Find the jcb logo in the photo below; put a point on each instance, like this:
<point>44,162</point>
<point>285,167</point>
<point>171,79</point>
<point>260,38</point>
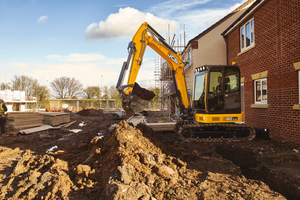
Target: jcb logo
<point>173,58</point>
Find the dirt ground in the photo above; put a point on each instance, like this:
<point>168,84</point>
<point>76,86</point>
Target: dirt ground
<point>90,161</point>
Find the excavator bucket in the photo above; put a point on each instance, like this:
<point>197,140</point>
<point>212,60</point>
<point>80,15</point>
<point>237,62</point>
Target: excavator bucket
<point>137,100</point>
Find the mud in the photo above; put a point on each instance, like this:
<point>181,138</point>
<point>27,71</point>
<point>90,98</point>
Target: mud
<point>142,93</point>
<point>136,163</point>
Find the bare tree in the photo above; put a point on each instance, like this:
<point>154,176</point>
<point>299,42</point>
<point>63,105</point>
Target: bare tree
<point>74,88</point>
<point>106,94</point>
<point>24,83</point>
<point>42,94</point>
<point>114,94</point>
<point>155,100</point>
<point>31,87</point>
<point>92,93</point>
<point>98,94</point>
<point>5,86</point>
<point>65,87</point>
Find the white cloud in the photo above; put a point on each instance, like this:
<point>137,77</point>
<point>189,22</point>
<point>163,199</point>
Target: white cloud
<point>55,57</point>
<point>197,15</point>
<point>235,6</point>
<point>125,23</point>
<point>76,57</point>
<point>88,73</point>
<point>19,65</point>
<point>200,20</point>
<point>172,7</point>
<point>42,19</point>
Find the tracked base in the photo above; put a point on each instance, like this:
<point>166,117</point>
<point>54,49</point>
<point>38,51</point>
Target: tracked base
<point>197,132</point>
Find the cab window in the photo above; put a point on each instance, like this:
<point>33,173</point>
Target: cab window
<point>199,92</point>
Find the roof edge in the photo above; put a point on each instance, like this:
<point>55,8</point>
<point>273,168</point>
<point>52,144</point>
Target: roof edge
<point>245,14</point>
<point>218,22</point>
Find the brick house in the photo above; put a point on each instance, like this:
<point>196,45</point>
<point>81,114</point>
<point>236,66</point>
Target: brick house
<point>208,47</point>
<point>265,43</point>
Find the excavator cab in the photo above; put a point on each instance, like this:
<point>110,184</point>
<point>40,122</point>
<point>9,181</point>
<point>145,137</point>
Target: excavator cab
<point>216,107</point>
<point>216,96</point>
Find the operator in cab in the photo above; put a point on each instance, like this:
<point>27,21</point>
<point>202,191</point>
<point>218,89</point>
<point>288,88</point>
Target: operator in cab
<point>219,88</point>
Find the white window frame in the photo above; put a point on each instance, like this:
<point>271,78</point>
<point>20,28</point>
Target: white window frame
<point>252,35</point>
<point>262,101</point>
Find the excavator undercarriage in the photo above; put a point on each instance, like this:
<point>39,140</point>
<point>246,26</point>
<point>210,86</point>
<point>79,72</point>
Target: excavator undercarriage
<point>199,132</point>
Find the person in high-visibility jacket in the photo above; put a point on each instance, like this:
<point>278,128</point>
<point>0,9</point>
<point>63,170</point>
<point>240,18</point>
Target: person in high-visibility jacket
<point>3,110</point>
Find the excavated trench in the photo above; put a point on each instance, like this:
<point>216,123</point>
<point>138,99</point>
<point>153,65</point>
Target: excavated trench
<point>262,164</point>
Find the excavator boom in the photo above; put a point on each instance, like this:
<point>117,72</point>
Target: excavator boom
<point>135,99</point>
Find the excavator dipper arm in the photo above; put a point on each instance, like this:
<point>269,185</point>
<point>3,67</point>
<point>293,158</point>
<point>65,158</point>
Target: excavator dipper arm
<point>146,36</point>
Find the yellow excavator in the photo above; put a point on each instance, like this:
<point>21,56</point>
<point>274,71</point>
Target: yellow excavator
<point>215,112</point>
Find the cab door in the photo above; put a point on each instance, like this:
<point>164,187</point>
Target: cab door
<point>232,97</point>
<point>223,94</point>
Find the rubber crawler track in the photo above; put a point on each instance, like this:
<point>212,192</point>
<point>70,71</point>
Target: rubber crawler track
<point>184,125</point>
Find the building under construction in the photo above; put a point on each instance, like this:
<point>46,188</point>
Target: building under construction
<point>163,79</point>
<point>17,100</point>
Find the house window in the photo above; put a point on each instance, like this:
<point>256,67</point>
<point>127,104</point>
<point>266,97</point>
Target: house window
<point>260,91</point>
<point>247,35</point>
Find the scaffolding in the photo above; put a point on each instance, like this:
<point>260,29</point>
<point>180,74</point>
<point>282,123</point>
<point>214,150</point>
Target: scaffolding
<point>156,72</point>
<point>163,77</point>
<point>167,97</point>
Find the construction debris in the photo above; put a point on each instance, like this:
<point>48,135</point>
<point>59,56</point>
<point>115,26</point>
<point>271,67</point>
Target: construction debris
<point>166,126</point>
<point>135,120</point>
<point>17,121</point>
<point>31,122</point>
<point>36,129</point>
<point>56,118</point>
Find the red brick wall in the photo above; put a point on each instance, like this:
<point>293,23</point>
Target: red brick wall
<point>277,47</point>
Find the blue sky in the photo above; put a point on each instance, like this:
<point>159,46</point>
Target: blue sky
<point>88,39</point>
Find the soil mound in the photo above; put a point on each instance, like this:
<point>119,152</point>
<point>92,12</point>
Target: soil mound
<point>92,113</point>
<point>138,169</point>
<point>36,176</point>
<point>126,163</point>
